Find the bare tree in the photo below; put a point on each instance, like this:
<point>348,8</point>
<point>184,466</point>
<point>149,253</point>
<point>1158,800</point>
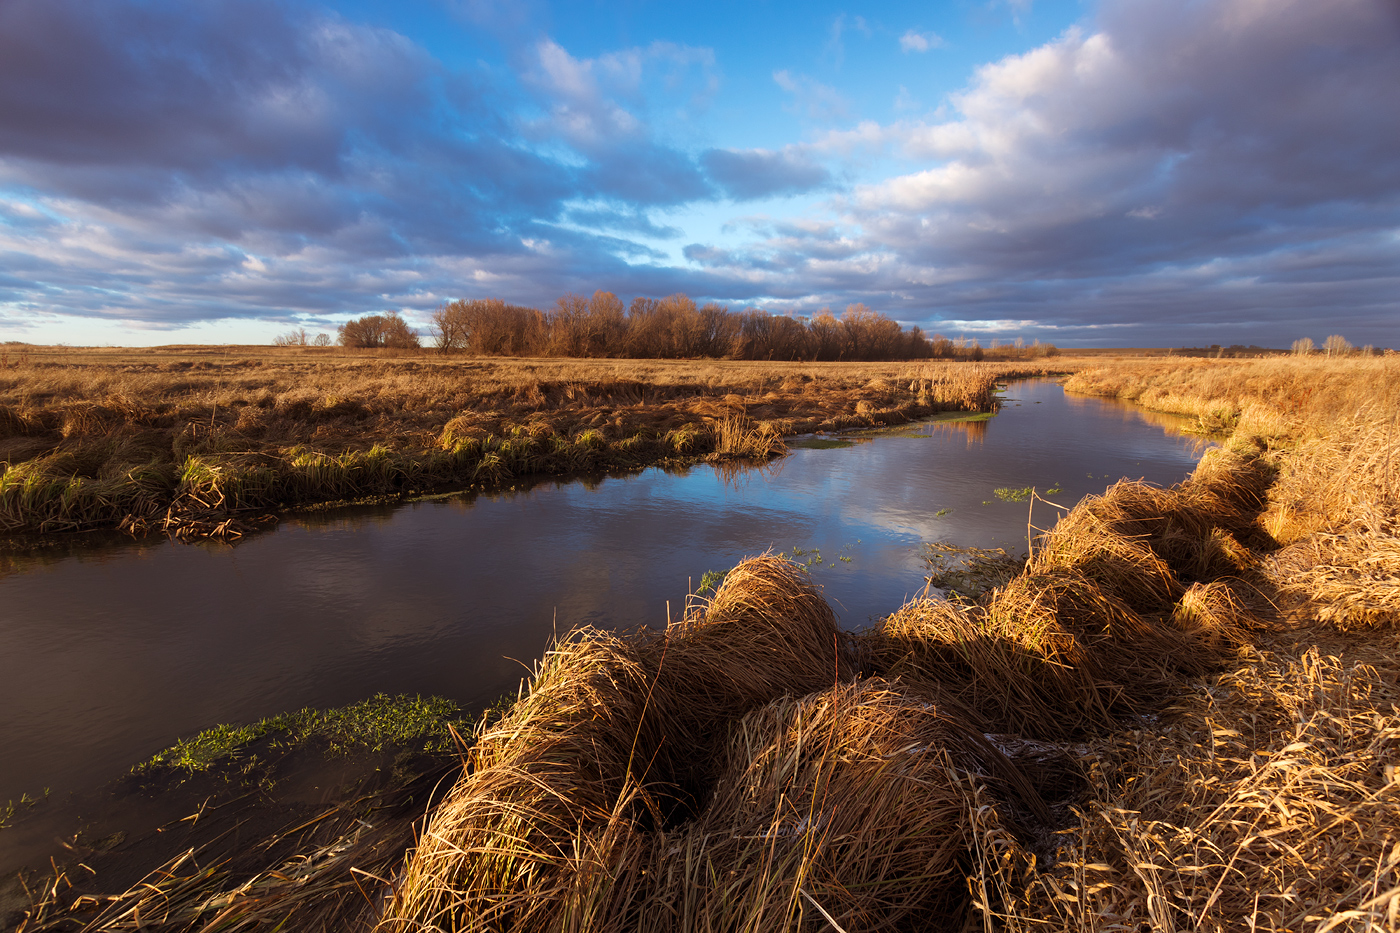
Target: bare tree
<point>1303,346</point>
<point>296,338</point>
<point>323,339</point>
<point>1337,345</point>
<point>450,326</point>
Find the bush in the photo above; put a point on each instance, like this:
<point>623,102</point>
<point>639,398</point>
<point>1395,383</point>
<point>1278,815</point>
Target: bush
<point>378,330</point>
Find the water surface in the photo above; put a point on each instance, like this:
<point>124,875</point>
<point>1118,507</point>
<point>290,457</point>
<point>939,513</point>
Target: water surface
<point>111,653</point>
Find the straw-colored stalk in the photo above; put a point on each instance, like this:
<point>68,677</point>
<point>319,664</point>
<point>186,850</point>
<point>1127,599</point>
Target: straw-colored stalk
<point>1268,801</point>
<point>617,736</point>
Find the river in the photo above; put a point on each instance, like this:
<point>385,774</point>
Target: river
<point>112,651</point>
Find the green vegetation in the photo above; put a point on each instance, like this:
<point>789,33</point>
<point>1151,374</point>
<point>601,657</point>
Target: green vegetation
<point>372,724</point>
<point>1009,494</point>
<point>710,581</point>
<point>13,808</point>
<point>820,443</point>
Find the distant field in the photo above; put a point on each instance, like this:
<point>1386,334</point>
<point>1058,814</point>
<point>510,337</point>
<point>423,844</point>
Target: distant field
<point>196,439</point>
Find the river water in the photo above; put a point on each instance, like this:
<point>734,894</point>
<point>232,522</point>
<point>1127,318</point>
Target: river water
<point>108,653</point>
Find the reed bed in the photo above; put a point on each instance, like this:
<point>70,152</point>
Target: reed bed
<point>1275,401</point>
<point>1269,800</point>
<point>722,776</point>
<point>616,739</point>
<point>1336,507</point>
<point>194,439</point>
<point>1129,593</point>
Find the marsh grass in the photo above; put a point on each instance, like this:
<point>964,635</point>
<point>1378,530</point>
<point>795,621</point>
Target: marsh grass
<point>1182,712</point>
<point>1267,801</point>
<point>193,442</point>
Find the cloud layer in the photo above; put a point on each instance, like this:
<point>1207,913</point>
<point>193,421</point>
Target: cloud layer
<point>1214,171</point>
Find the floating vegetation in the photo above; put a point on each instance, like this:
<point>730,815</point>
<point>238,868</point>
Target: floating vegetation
<point>15,807</point>
<point>371,724</point>
<point>969,572</point>
<point>820,443</point>
<point>1013,494</point>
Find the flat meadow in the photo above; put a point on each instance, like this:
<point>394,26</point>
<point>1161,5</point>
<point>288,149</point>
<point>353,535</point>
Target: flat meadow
<point>196,440</point>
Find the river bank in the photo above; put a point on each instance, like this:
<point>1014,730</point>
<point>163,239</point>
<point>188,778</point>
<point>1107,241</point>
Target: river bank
<point>205,441</point>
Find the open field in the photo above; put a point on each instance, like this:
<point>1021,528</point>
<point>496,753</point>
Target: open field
<point>199,440</point>
<point>1182,712</point>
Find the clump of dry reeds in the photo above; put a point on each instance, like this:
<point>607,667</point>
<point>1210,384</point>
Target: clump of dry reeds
<point>848,807</point>
<point>1336,506</point>
<point>1128,593</point>
<point>618,736</point>
<point>1268,801</point>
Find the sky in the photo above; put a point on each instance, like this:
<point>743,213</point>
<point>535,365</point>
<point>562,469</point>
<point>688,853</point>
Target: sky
<point>1080,172</point>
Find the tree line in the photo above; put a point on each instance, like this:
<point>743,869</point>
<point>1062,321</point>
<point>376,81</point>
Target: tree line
<point>662,328</point>
<point>670,328</point>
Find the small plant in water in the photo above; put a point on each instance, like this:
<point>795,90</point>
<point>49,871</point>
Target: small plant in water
<point>1008,494</point>
<point>941,512</point>
<point>26,802</point>
<point>710,581</point>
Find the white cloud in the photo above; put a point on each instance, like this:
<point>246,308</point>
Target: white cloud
<point>1170,164</point>
<point>915,41</point>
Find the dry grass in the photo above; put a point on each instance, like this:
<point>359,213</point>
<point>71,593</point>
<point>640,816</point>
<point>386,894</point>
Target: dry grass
<point>1269,799</point>
<point>616,741</point>
<point>321,875</point>
<point>197,439</point>
<point>1216,757</point>
<point>1335,505</point>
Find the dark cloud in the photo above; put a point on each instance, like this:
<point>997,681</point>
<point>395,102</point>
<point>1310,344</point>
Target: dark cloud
<point>757,173</point>
<point>1221,171</point>
<point>645,174</point>
<point>198,87</point>
<point>1218,166</point>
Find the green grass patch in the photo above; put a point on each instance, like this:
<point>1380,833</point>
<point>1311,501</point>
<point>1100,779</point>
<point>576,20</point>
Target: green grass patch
<point>710,581</point>
<point>371,724</point>
<point>1009,494</point>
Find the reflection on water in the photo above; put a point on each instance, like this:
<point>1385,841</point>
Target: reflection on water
<point>111,653</point>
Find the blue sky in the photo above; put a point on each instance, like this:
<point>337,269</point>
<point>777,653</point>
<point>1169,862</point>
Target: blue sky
<point>1085,172</point>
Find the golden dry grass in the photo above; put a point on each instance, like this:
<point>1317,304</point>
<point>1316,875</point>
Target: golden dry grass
<point>192,439</point>
<point>1192,697</point>
<point>1268,799</point>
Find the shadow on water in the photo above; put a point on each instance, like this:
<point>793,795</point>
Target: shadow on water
<point>112,652</point>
